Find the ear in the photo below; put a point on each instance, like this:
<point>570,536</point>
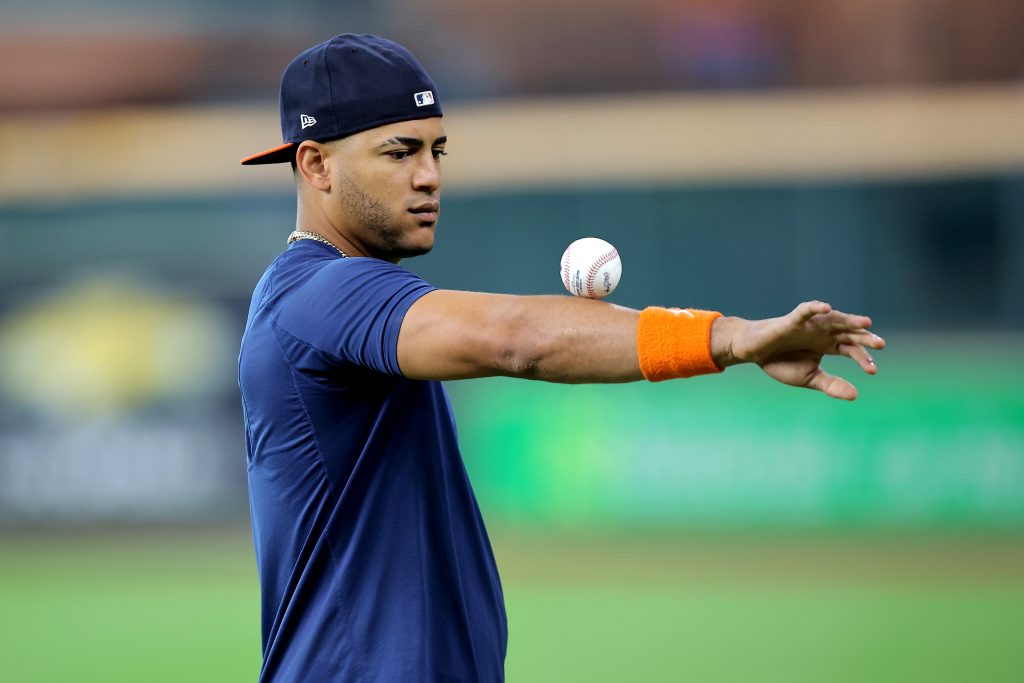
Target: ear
<point>310,160</point>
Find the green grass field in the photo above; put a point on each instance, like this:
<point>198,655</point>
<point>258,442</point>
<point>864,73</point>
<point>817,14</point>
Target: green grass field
<point>183,606</point>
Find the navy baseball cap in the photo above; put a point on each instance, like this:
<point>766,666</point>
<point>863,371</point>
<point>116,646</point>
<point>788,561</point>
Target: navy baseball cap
<point>345,85</point>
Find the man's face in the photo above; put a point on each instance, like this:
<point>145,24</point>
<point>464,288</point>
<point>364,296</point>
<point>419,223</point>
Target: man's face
<point>387,183</point>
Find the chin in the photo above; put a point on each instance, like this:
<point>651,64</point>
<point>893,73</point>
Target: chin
<point>421,250</point>
<point>396,244</point>
<point>412,250</point>
<point>422,242</point>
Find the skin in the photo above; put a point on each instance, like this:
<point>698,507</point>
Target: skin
<point>377,194</point>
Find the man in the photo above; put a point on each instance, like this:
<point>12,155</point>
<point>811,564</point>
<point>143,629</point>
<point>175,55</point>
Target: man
<point>373,559</point>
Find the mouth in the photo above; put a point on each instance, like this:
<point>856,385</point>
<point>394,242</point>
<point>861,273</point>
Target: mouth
<point>426,212</point>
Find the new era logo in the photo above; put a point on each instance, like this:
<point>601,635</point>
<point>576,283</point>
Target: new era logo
<point>424,98</point>
<point>307,121</point>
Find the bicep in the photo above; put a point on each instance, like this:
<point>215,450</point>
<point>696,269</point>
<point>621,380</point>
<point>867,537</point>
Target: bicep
<point>449,334</point>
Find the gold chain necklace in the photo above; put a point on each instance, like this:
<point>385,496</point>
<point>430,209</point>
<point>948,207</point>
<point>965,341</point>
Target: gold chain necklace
<point>307,235</point>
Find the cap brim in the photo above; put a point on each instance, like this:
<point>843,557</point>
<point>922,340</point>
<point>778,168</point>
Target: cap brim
<point>281,154</point>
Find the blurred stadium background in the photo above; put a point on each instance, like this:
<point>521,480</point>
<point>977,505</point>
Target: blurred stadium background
<point>742,154</point>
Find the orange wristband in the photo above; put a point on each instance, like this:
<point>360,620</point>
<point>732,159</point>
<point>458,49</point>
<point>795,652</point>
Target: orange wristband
<point>673,342</point>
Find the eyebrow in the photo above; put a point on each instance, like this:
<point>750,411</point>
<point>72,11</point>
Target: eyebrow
<point>411,142</point>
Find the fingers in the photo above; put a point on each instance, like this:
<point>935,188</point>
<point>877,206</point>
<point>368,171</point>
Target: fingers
<point>833,386</point>
<point>847,328</point>
<point>837,321</point>
<point>808,310</point>
<point>860,355</point>
<point>860,338</point>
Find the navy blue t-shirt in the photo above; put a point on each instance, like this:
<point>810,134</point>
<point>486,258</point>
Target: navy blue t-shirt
<point>373,560</point>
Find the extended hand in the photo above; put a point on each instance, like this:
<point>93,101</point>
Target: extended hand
<point>790,348</point>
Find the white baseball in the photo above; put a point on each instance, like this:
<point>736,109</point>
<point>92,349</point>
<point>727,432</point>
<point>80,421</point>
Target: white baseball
<point>591,268</point>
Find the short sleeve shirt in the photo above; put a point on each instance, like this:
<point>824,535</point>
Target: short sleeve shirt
<point>373,559</point>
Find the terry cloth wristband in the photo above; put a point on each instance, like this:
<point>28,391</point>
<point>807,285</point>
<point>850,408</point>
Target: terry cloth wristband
<point>673,342</point>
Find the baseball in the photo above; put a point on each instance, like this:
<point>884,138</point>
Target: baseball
<point>591,268</point>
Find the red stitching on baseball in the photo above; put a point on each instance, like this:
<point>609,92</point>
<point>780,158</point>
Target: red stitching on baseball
<point>565,268</point>
<point>596,266</point>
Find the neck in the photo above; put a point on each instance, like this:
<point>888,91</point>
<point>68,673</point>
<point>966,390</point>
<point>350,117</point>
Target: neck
<point>310,219</point>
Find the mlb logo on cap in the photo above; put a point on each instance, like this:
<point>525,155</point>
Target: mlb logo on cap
<point>424,98</point>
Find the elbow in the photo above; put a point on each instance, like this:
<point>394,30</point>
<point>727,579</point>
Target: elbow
<point>516,363</point>
<point>518,351</point>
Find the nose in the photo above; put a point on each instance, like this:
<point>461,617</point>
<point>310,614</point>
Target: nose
<point>427,177</point>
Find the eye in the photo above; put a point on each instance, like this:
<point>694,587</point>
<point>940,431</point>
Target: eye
<point>399,154</point>
<point>438,153</point>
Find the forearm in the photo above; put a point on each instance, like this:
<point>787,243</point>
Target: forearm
<point>581,340</point>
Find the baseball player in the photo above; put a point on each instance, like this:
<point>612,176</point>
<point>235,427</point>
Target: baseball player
<point>373,559</point>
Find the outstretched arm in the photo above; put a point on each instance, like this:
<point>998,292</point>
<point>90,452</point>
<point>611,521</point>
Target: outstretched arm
<point>455,335</point>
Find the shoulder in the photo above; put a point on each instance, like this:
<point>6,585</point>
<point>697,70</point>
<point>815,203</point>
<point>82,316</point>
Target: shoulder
<point>362,273</point>
<point>359,265</point>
